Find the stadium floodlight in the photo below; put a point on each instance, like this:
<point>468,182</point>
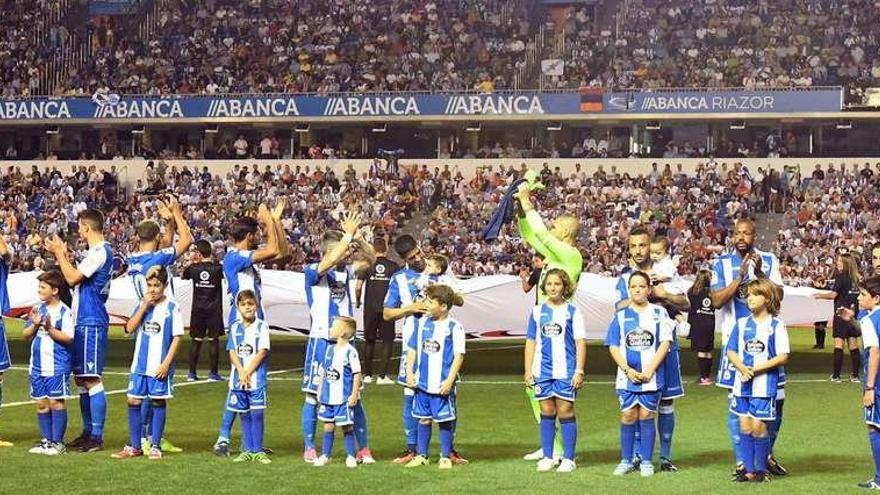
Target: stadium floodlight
<point>137,130</point>
<point>738,125</point>
<point>554,126</point>
<point>301,128</point>
<point>844,124</point>
<point>653,125</point>
<point>212,130</point>
<point>473,127</point>
<point>380,128</point>
<point>53,130</point>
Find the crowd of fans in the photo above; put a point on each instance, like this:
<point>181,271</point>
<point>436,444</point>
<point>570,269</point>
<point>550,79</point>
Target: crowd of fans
<point>214,46</point>
<point>824,212</point>
<point>217,46</point>
<point>722,43</point>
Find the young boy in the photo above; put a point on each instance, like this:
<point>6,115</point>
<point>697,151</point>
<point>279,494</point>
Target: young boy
<point>51,328</point>
<point>248,346</point>
<point>435,353</point>
<point>757,348</point>
<point>5,364</point>
<point>339,390</point>
<point>663,268</point>
<point>869,324</point>
<point>159,326</point>
<point>156,249</point>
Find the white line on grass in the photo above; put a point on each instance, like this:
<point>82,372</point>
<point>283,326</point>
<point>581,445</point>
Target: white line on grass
<point>122,391</point>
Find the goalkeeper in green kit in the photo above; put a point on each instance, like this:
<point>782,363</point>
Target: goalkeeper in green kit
<point>558,246</point>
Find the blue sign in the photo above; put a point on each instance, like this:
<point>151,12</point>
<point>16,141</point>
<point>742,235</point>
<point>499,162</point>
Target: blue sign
<point>706,101</point>
<point>108,108</point>
<point>114,7</point>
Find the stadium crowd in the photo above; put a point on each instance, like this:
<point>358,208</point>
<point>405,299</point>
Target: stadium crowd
<point>216,46</point>
<point>222,46</point>
<point>824,211</point>
<point>725,43</point>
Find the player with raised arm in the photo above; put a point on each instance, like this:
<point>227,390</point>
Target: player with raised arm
<point>163,251</point>
<point>91,282</point>
<point>241,274</point>
<point>558,246</point>
<point>329,293</point>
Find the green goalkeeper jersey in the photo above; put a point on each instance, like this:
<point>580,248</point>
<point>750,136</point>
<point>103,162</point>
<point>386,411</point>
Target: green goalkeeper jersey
<point>557,253</point>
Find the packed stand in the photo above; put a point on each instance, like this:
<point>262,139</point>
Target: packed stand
<point>31,208</point>
<point>831,210</point>
<point>723,43</point>
<point>224,46</point>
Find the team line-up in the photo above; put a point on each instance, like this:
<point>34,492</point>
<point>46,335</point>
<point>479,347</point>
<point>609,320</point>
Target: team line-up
<point>642,340</point>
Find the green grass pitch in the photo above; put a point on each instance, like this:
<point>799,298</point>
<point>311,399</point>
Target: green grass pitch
<point>823,441</point>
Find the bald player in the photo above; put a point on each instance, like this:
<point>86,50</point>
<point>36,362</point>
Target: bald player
<point>731,273</point>
<point>558,246</point>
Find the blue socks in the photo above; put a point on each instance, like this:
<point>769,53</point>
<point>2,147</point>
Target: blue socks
<point>98,404</point>
<point>147,418</point>
<point>258,419</point>
<point>735,437</point>
<point>775,425</point>
<point>410,424</point>
<point>85,410</point>
<point>548,434</point>
<point>360,425</point>
<point>226,425</point>
<point>747,449</point>
<point>423,439</point>
<point>637,439</point>
<point>762,451</point>
<point>309,422</point>
<point>348,437</point>
<point>649,432</point>
<point>45,422</point>
<point>134,426</point>
<point>569,437</point>
<point>157,428</point>
<point>666,426</point>
<point>445,438</point>
<point>874,437</point>
<point>59,425</point>
<point>246,432</point>
<point>627,441</point>
<point>327,445</point>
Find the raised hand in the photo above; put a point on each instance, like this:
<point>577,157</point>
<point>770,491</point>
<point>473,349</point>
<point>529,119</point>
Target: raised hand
<point>350,222</point>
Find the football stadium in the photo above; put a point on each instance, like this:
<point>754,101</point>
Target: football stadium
<point>444,245</point>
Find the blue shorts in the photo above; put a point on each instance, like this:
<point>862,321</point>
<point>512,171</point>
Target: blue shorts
<point>5,362</point>
<point>673,387</point>
<point>148,387</point>
<point>55,387</point>
<point>560,388</point>
<point>242,401</point>
<point>726,373</point>
<point>629,400</point>
<point>316,350</point>
<point>89,351</point>
<point>872,414</point>
<point>436,407</point>
<point>340,415</point>
<point>763,408</point>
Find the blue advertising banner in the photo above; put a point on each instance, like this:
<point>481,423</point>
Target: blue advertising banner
<point>110,107</point>
<point>114,7</point>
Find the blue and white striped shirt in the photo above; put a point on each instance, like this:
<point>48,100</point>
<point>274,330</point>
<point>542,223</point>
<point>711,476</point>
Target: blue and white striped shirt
<point>246,342</point>
<point>757,343</point>
<point>240,274</point>
<point>555,332</point>
<point>90,296</point>
<point>153,337</point>
<point>328,296</point>
<point>140,263</point>
<point>48,357</point>
<point>726,269</point>
<point>639,334</point>
<point>340,365</point>
<point>436,344</point>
